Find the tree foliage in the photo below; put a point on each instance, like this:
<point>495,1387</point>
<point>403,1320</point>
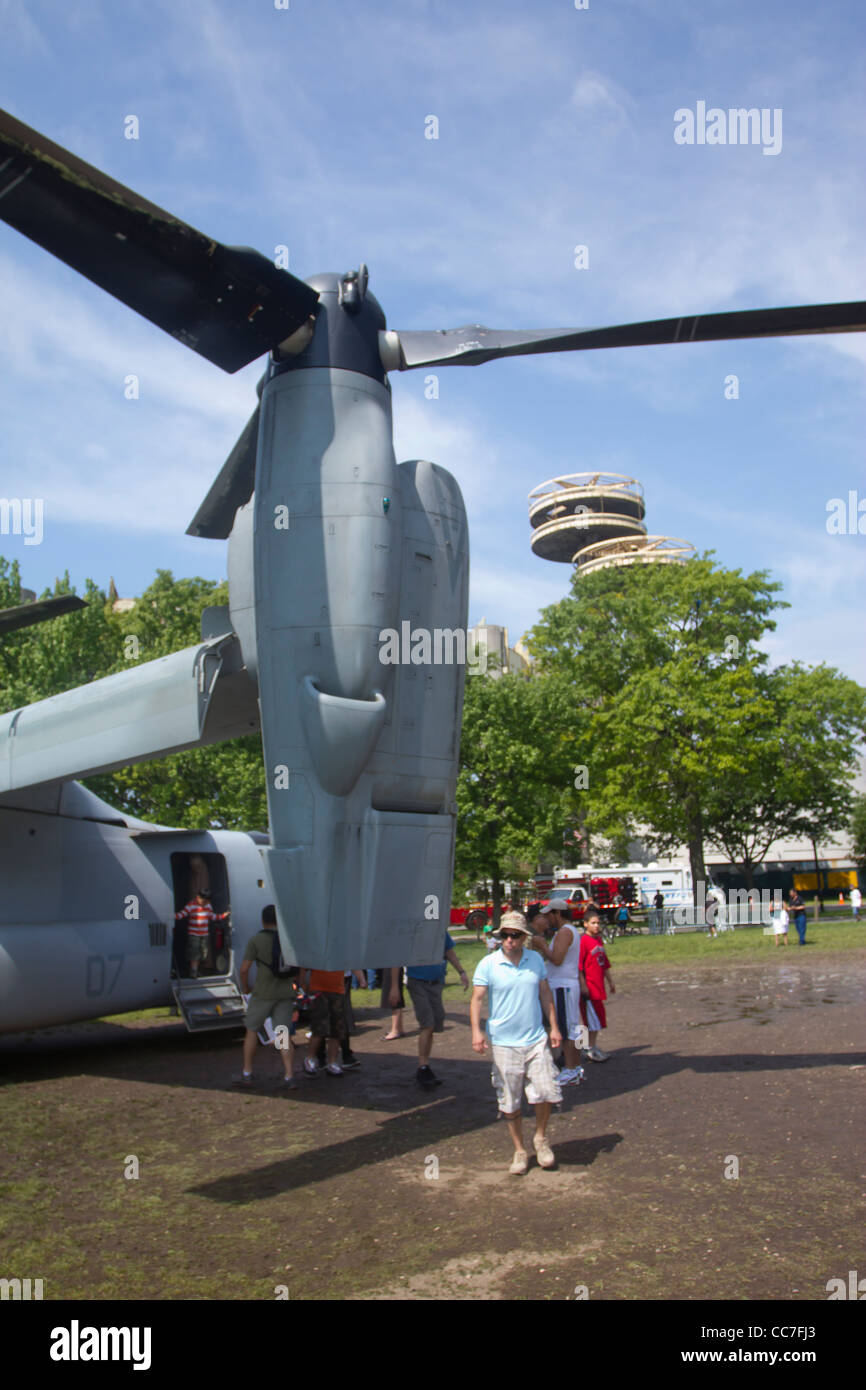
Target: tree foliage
<point>664,661</point>
<point>515,776</point>
<point>858,830</point>
<point>60,654</point>
<point>220,786</point>
<point>796,775</point>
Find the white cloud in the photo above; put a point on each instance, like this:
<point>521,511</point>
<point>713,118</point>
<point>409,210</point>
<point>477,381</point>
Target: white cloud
<point>594,92</point>
<point>460,442</point>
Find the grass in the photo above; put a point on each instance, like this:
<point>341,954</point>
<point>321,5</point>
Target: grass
<point>742,947</point>
<point>163,1011</point>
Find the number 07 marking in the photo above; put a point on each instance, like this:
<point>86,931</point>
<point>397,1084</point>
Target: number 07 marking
<point>96,972</point>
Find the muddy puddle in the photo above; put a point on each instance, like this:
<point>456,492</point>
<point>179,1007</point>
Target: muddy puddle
<point>759,994</point>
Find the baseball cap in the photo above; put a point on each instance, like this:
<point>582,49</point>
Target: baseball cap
<point>556,905</point>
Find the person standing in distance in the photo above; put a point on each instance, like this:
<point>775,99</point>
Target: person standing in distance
<point>659,909</point>
<point>797,910</point>
<point>514,981</point>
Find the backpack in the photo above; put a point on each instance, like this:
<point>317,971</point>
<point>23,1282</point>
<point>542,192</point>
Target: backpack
<point>280,967</point>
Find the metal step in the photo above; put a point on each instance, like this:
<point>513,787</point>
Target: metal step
<point>211,1002</point>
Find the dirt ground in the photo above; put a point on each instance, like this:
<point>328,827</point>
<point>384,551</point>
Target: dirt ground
<point>331,1191</point>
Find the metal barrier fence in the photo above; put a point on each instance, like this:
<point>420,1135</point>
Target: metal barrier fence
<point>686,917</point>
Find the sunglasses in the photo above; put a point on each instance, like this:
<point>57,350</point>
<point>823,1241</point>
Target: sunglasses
<point>511,935</point>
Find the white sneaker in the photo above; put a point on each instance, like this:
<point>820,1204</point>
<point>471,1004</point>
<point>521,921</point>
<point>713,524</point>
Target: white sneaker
<point>334,1069</point>
<point>543,1152</point>
<point>566,1075</point>
<point>597,1055</point>
<point>520,1162</point>
<point>310,1067</point>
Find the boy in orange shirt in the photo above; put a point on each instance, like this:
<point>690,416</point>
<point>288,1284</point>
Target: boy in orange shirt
<point>327,992</point>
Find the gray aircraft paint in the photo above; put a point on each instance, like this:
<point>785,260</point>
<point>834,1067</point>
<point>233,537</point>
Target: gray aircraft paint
<point>146,712</point>
<point>362,818</point>
<point>69,865</point>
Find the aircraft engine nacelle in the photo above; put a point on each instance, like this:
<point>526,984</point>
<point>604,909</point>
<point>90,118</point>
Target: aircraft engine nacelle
<point>354,623</point>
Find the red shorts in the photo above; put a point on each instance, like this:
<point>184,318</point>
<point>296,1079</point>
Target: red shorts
<point>593,1014</point>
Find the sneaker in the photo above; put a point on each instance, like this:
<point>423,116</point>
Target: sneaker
<point>243,1082</point>
<point>425,1078</point>
<point>352,1064</point>
<point>311,1067</point>
<point>596,1054</point>
<point>566,1075</point>
<point>288,1083</point>
<point>334,1069</point>
<point>543,1152</point>
<point>520,1162</point>
<point>573,1078</point>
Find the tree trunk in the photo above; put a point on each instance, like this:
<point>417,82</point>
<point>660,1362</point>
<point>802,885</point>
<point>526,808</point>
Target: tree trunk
<point>817,881</point>
<point>696,855</point>
<point>496,896</point>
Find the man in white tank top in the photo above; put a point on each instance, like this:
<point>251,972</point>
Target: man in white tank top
<point>562,955</point>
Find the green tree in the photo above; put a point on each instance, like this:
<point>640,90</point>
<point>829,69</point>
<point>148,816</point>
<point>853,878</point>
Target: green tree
<point>167,616</point>
<point>858,830</point>
<point>59,654</point>
<point>514,778</point>
<point>222,786</point>
<point>664,661</point>
<point>797,772</point>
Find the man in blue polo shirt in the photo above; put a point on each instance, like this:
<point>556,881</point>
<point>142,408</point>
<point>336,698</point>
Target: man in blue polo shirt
<point>425,983</point>
<point>515,979</point>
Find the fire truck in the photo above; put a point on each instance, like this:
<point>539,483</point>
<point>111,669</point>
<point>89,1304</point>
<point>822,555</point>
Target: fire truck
<point>476,915</point>
<point>606,888</point>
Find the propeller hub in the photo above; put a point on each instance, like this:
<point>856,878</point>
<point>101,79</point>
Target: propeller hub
<point>345,329</point>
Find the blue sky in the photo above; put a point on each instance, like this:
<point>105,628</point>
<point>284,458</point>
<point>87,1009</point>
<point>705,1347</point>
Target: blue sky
<point>305,127</point>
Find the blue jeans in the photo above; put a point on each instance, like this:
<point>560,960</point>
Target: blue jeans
<point>800,924</point>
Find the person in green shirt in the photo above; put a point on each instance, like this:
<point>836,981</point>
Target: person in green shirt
<point>273,997</point>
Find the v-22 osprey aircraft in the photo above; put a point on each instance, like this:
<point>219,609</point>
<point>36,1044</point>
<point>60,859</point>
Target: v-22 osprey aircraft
<point>331,543</point>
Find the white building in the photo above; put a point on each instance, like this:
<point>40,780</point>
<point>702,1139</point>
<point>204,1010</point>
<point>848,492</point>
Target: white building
<point>500,656</point>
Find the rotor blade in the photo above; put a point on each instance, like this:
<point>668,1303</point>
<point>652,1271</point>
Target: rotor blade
<point>228,303</point>
<point>26,614</point>
<point>474,344</point>
<point>231,488</point>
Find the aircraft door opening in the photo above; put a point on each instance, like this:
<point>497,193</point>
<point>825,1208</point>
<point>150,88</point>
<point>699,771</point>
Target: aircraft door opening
<point>203,982</point>
<point>201,941</point>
